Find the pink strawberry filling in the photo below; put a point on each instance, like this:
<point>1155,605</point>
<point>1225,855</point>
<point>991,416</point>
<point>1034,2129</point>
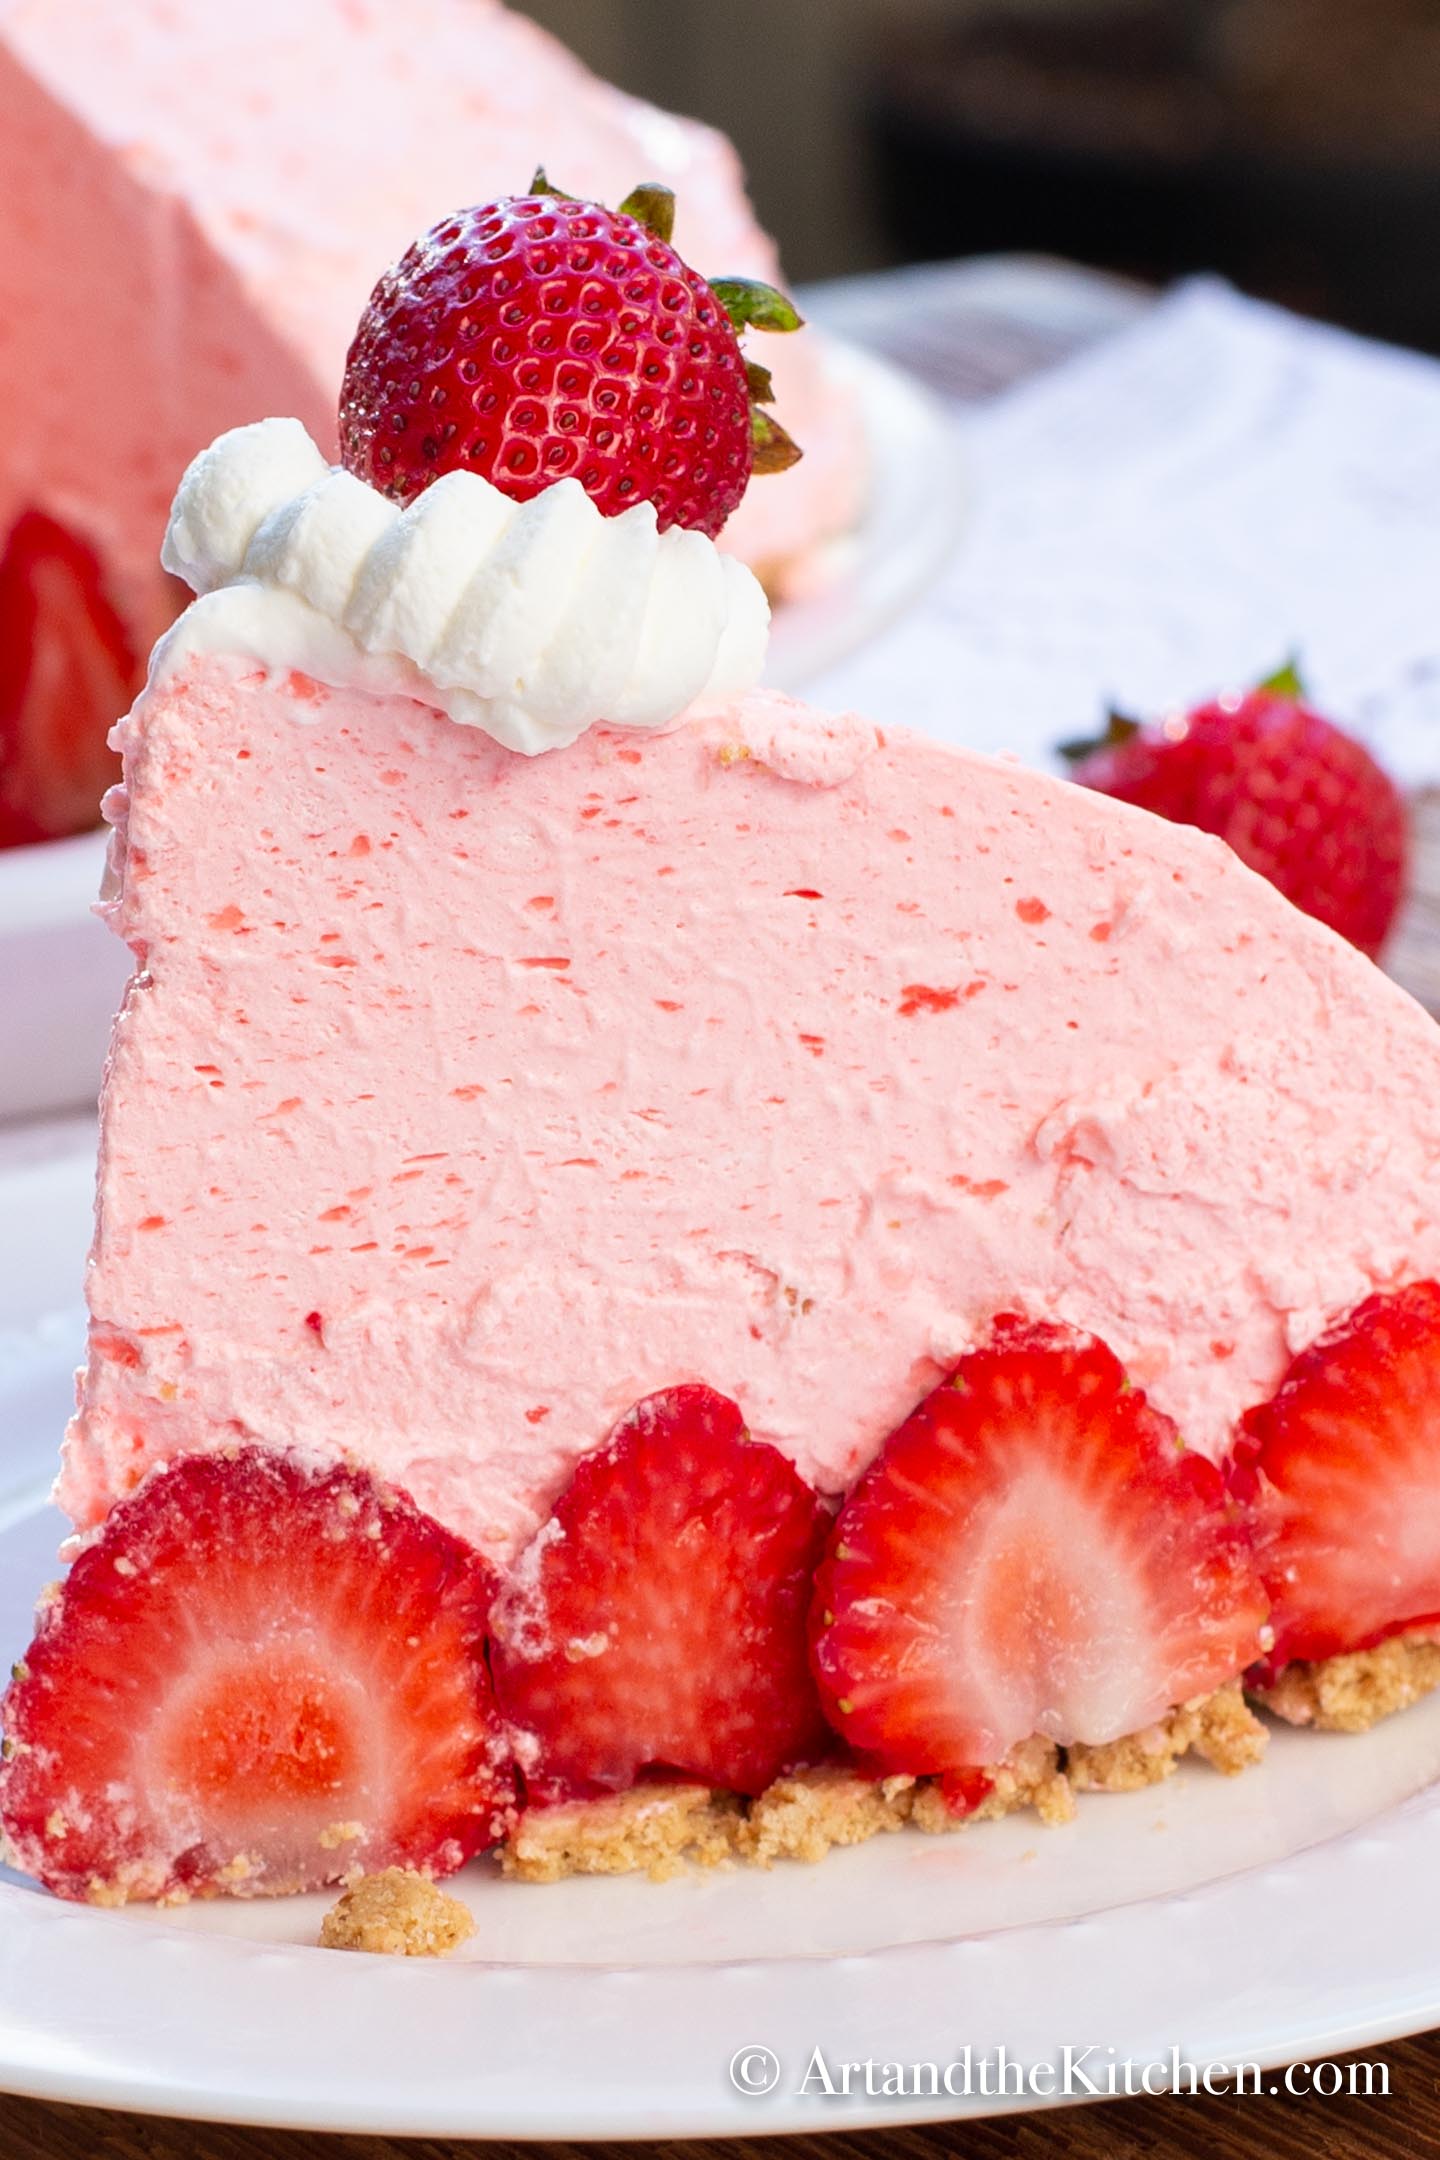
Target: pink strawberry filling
<point>545,1084</point>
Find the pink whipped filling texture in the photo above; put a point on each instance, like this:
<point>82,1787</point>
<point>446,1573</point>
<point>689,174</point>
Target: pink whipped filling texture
<point>463,1098</point>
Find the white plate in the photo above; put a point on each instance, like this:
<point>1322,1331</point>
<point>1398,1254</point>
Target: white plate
<point>61,972</point>
<point>61,975</point>
<point>915,509</point>
<point>1292,1914</point>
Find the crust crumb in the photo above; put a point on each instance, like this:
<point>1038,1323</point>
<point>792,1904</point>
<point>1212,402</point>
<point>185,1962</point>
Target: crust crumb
<point>1352,1692</point>
<point>110,1895</point>
<point>1219,1728</point>
<point>340,1833</point>
<point>802,1816</point>
<point>397,1914</point>
<point>651,1830</point>
<point>132,1883</point>
<point>1029,1777</point>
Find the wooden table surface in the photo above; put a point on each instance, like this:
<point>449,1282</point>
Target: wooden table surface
<point>978,328</point>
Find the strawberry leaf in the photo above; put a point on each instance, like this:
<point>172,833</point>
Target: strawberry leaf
<point>540,185</point>
<point>1286,681</point>
<point>774,450</point>
<point>1118,729</point>
<point>653,207</point>
<point>753,306</point>
<point>762,386</point>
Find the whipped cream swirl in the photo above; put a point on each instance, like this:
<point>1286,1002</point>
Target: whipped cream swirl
<point>533,621</point>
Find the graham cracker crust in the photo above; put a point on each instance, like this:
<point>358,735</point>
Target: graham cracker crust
<point>651,1830</point>
<point>1352,1692</point>
<point>1220,1728</point>
<point>659,1829</point>
<point>802,1816</point>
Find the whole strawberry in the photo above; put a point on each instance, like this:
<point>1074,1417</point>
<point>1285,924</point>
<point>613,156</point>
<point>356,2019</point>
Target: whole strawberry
<point>540,338</point>
<point>1298,800</point>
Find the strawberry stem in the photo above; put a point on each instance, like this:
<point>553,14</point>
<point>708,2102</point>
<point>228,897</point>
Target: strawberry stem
<point>753,306</point>
<point>652,206</point>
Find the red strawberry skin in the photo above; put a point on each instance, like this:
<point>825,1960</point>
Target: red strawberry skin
<point>658,1620</point>
<point>67,674</point>
<point>262,1675</point>
<point>1340,1472</point>
<point>536,339</point>
<point>1031,1552</point>
<point>1298,800</point>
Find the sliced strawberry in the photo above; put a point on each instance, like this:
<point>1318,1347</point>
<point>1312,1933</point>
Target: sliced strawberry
<point>1341,1473</point>
<point>1032,1552</point>
<point>67,674</point>
<point>963,1791</point>
<point>658,1619</point>
<point>263,1675</point>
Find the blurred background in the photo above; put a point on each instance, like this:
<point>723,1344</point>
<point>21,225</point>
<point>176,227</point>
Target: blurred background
<point>1293,145</point>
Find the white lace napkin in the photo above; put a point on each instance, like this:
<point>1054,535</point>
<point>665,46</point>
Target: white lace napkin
<point>1173,513</point>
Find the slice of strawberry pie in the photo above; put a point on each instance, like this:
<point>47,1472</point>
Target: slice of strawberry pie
<point>763,1232</point>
